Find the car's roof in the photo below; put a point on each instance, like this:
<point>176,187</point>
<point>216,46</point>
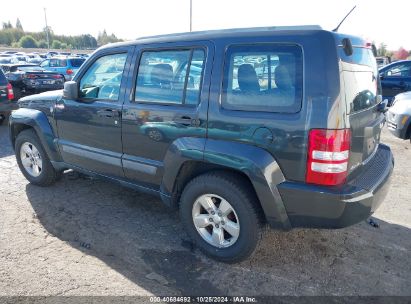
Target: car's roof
<point>214,34</point>
<point>394,63</point>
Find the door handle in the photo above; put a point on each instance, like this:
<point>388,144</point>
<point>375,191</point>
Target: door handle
<point>188,121</point>
<point>109,113</point>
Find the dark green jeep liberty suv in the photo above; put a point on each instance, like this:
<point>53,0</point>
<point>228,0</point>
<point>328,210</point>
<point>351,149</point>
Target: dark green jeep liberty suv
<point>235,128</point>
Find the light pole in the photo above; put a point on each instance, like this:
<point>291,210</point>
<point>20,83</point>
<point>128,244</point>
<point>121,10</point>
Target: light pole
<point>191,15</point>
<point>47,30</point>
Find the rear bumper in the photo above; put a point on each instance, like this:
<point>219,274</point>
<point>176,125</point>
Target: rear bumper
<point>337,207</point>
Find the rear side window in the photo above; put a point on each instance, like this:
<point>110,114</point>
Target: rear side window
<point>76,63</point>
<point>170,77</point>
<point>62,63</point>
<point>265,77</point>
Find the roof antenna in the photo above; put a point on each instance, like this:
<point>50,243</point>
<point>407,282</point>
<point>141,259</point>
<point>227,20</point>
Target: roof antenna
<point>336,29</point>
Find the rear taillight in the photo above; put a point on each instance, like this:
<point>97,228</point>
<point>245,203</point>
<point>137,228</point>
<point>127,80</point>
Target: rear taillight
<point>10,93</point>
<point>69,72</point>
<point>57,76</point>
<point>30,76</point>
<point>328,154</point>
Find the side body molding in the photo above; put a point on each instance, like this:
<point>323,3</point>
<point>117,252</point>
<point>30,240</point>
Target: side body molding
<point>40,123</point>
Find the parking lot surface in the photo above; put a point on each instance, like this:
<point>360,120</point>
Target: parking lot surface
<point>88,237</point>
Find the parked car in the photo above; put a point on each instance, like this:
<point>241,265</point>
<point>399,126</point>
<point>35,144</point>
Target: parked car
<point>383,61</point>
<point>252,146</point>
<point>36,60</point>
<point>395,79</point>
<point>6,97</point>
<point>8,60</point>
<point>29,79</point>
<point>51,54</point>
<point>66,66</point>
<point>399,116</point>
<point>22,58</point>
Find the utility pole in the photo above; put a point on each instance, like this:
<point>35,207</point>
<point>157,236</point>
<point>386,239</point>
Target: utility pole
<point>47,30</point>
<point>191,15</point>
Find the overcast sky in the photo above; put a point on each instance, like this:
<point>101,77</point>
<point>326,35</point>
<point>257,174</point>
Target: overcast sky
<point>380,21</point>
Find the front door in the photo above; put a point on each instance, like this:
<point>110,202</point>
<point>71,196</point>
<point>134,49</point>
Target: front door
<point>89,128</point>
<point>167,106</point>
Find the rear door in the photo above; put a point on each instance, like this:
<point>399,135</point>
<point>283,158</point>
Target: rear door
<point>361,87</point>
<point>168,103</point>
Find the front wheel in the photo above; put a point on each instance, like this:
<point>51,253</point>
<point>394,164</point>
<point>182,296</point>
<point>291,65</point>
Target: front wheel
<point>222,216</point>
<point>33,160</point>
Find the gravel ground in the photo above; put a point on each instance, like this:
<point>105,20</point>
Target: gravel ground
<point>88,237</point>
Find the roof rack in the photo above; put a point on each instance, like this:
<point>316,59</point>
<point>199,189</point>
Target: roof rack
<point>240,30</point>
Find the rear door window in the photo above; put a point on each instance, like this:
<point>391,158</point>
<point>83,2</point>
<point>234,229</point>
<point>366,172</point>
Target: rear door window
<point>263,77</point>
<point>170,77</point>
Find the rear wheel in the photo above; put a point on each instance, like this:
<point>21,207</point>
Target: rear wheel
<point>221,214</point>
<point>33,160</point>
<point>2,118</point>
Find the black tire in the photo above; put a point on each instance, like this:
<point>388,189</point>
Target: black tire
<point>2,118</point>
<point>241,197</point>
<point>48,174</point>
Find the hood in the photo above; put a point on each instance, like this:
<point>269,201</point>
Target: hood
<point>405,95</point>
<point>42,100</point>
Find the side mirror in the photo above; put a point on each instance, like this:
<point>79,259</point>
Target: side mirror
<point>70,90</point>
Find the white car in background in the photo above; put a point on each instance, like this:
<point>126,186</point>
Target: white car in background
<point>399,116</point>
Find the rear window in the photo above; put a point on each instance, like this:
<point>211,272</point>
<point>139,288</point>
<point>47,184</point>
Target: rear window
<point>265,78</point>
<point>3,79</point>
<point>76,63</point>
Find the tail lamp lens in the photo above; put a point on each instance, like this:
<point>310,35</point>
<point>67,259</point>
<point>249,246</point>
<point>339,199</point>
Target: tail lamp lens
<point>10,93</point>
<point>328,155</point>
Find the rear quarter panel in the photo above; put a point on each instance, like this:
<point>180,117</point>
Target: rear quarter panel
<point>320,105</point>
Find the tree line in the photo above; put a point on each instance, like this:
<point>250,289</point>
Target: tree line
<point>15,36</point>
<point>399,54</point>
